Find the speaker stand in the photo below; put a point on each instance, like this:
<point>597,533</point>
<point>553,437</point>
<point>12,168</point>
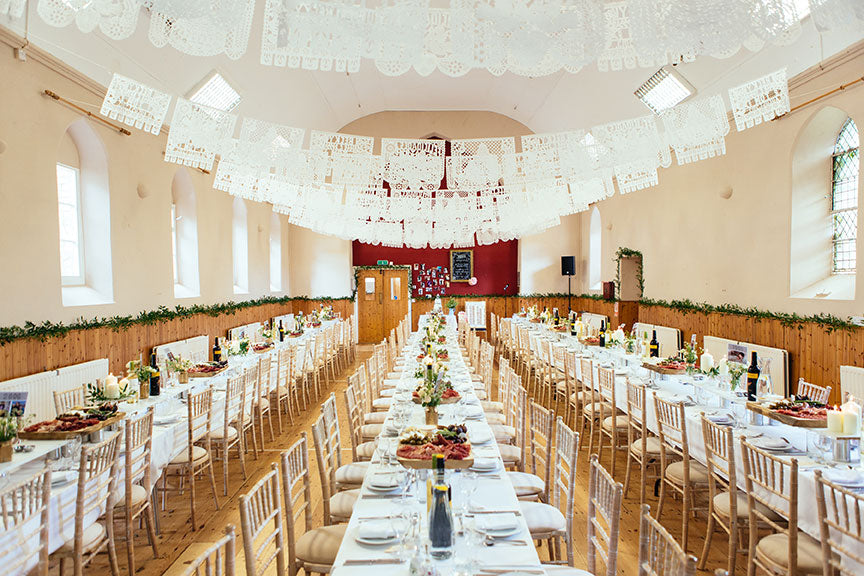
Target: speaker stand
<point>569,308</point>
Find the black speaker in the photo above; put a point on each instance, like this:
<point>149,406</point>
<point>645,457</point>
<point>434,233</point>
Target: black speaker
<point>568,265</point>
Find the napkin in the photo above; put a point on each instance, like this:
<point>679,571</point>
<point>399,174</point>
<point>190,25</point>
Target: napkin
<point>376,530</point>
<point>479,435</point>
<point>495,522</point>
<point>485,464</point>
<point>719,417</point>
<point>844,477</point>
<point>474,412</point>
<point>385,480</point>
<point>771,443</point>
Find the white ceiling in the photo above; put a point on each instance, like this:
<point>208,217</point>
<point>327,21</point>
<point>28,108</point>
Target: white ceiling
<point>330,100</point>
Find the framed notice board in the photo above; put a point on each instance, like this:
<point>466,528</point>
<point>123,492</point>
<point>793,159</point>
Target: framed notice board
<point>461,265</point>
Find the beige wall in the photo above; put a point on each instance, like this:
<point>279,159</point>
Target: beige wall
<point>33,128</point>
<point>700,246</point>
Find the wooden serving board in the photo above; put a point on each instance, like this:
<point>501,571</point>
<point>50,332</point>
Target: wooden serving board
<point>445,401</point>
<point>263,350</point>
<point>427,464</point>
<point>787,419</point>
<point>207,374</point>
<point>661,370</point>
<point>72,434</point>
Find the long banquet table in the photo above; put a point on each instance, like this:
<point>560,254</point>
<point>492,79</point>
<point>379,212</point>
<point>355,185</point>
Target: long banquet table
<point>492,492</point>
<point>170,438</point>
<point>705,395</point>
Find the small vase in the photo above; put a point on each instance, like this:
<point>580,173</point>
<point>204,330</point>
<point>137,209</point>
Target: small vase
<point>6,450</point>
<point>144,389</point>
<point>431,416</point>
<point>183,377</point>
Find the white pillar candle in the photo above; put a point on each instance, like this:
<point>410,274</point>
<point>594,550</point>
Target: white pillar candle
<point>851,423</point>
<point>724,368</point>
<point>835,421</point>
<point>706,361</point>
<point>112,388</point>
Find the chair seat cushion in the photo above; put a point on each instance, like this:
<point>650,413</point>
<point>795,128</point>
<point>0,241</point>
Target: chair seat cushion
<point>219,433</point>
<point>320,546</point>
<point>92,536</point>
<point>491,406</point>
<point>375,417</point>
<point>366,450</point>
<point>264,404</point>
<point>652,446</point>
<point>394,375</point>
<point>198,453</point>
<point>370,431</point>
<point>139,496</point>
<point>387,392</point>
<point>698,472</point>
<point>583,396</point>
<point>503,433</point>
<point>512,455</point>
<point>776,549</point>
<point>619,422</point>
<point>496,418</point>
<point>481,394</point>
<point>526,484</point>
<point>542,518</point>
<point>591,409</point>
<point>342,503</point>
<point>281,391</point>
<point>351,474</point>
<point>742,510</point>
<point>565,571</point>
<point>382,404</point>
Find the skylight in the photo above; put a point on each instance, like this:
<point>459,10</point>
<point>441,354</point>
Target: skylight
<point>664,90</point>
<point>217,93</point>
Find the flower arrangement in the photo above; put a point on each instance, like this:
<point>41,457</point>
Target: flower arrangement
<point>451,303</point>
<point>139,370</point>
<point>9,425</point>
<point>96,395</point>
<point>267,333</point>
<point>736,370</point>
<point>238,347</point>
<point>179,364</point>
<point>326,312</point>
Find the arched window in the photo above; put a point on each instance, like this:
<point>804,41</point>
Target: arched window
<point>184,236</point>
<point>844,199</point>
<point>275,253</point>
<point>240,247</point>
<point>84,218</point>
<point>594,251</point>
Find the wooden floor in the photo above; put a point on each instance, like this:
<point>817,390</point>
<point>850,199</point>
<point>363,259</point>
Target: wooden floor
<point>178,543</point>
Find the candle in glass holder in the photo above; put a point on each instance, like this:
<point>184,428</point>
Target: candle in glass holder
<point>835,421</point>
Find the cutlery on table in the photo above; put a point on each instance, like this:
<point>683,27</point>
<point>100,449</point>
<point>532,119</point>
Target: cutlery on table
<point>492,541</point>
<point>371,561</point>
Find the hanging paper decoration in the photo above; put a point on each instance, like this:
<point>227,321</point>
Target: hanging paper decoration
<point>344,159</point>
<point>14,9</point>
<point>116,19</point>
<point>223,27</point>
<point>637,150</point>
<point>197,134</point>
<point>135,104</point>
<point>760,100</point>
<point>696,130</point>
<point>477,163</point>
<point>838,15</point>
<point>413,164</point>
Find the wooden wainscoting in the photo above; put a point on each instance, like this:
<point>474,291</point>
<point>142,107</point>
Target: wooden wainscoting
<point>29,356</point>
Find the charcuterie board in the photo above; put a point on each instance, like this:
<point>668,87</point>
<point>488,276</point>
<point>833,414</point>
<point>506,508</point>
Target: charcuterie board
<point>55,435</point>
<point>662,370</point>
<point>786,418</point>
<point>427,464</point>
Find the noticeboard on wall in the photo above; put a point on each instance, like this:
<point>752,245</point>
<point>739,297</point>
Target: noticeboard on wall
<point>461,265</point>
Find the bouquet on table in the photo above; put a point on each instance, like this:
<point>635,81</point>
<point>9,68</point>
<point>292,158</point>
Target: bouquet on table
<point>239,347</point>
<point>326,313</point>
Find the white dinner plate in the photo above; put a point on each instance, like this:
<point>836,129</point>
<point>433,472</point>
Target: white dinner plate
<point>375,541</point>
<point>848,478</point>
<point>773,443</point>
<point>166,420</point>
<point>480,435</point>
<point>502,533</point>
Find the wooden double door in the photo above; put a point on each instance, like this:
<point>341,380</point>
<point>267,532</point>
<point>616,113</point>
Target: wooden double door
<point>382,302</point>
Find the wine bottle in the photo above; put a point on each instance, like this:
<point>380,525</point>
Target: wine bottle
<point>154,378</point>
<point>281,332</point>
<point>217,350</point>
<point>753,378</point>
<point>602,333</point>
<point>654,346</point>
<point>440,524</point>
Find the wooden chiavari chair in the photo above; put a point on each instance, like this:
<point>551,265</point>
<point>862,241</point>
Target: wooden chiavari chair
<point>643,448</point>
<point>546,521</point>
<point>97,479</point>
<point>312,549</point>
<point>248,425</point>
<point>604,517</point>
<point>320,362</point>
<point>592,404</point>
<point>261,524</point>
<point>772,501</point>
<point>841,525</point>
<point>533,485</point>
<point>136,502</point>
<point>344,476</point>
<point>564,386</point>
<point>228,435</point>
<point>508,433</point>
<point>66,400</point>
<point>362,450</point>
<point>24,526</point>
<point>261,402</point>
<point>814,392</point>
<point>286,388</point>
<point>679,472</point>
<point>659,553</point>
<point>308,375</point>
<point>218,559</point>
<point>613,424</point>
<point>337,508</point>
<point>196,458</point>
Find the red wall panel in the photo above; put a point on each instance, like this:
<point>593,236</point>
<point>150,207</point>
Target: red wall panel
<point>495,265</point>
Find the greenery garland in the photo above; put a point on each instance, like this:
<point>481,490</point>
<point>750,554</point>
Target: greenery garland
<point>629,253</point>
<point>827,321</point>
<point>49,329</point>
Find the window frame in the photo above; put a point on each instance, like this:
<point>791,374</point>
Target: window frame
<point>275,226</point>
<point>834,213</point>
<point>80,279</point>
<point>175,256</point>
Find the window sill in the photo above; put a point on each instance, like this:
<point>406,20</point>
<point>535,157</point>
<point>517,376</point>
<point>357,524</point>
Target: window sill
<point>84,296</point>
<point>838,287</point>
<point>181,291</point>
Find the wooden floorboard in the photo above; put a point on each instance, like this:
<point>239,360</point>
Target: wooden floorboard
<point>178,544</point>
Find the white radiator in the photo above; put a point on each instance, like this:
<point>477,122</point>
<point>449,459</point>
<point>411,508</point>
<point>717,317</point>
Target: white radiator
<point>852,382</point>
<point>251,331</point>
<point>41,387</point>
<point>594,320</point>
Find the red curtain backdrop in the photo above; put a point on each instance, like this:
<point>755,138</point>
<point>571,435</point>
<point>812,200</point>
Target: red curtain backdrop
<point>495,265</point>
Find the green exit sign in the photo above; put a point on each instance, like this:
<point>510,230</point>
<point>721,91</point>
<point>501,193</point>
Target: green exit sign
<point>383,262</point>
